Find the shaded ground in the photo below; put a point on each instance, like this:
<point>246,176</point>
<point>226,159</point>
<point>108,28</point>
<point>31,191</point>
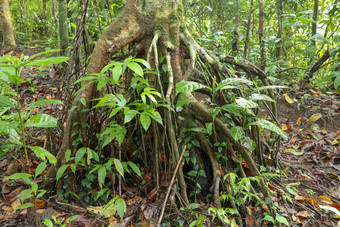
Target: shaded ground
<point>310,159</point>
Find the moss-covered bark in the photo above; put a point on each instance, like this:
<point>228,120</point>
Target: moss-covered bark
<point>8,41</point>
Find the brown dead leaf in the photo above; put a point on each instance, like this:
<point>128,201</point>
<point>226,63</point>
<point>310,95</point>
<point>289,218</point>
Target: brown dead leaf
<point>315,117</point>
<point>12,167</point>
<point>303,214</point>
<point>6,208</point>
<point>38,203</point>
<point>288,99</point>
<point>312,201</point>
<point>250,221</point>
<point>13,194</point>
<point>148,214</point>
<point>298,121</point>
<point>294,217</point>
<point>15,204</point>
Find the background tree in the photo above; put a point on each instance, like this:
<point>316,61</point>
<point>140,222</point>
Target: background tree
<point>8,41</point>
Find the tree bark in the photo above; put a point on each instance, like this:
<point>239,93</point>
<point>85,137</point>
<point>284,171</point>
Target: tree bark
<point>235,45</point>
<point>8,41</point>
<point>63,28</point>
<point>315,19</point>
<point>261,34</point>
<point>278,48</point>
<point>248,29</point>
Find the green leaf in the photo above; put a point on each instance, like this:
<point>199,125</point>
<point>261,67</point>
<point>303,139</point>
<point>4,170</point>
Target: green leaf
<point>24,206</point>
<point>17,176</point>
<point>45,102</point>
<point>6,102</point>
<point>237,132</point>
<point>135,168</point>
<point>121,207</point>
<point>85,78</point>
<point>45,61</point>
<point>40,168</point>
<point>184,102</point>
<point>119,166</point>
<point>232,108</point>
<point>145,63</point>
<point>337,82</point>
<point>48,223</point>
<point>67,155</point>
<point>15,79</point>
<point>42,121</point>
<point>331,210</point>
<point>145,120</point>
<point>155,115</point>
<point>80,154</point>
<point>61,171</point>
<point>225,84</point>
<point>102,174</point>
<point>136,68</point>
<point>188,86</point>
<point>257,97</point>
<point>129,115</point>
<point>246,104</point>
<point>42,153</point>
<point>270,126</point>
<point>269,87</point>
<point>194,205</point>
<point>336,39</point>
<point>117,71</point>
<point>269,218</point>
<point>115,111</point>
<point>192,173</point>
<point>282,220</point>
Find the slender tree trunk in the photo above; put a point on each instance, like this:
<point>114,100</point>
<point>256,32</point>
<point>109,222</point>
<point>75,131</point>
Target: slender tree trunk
<point>235,45</point>
<point>63,29</point>
<point>279,6</point>
<point>248,29</point>
<point>315,19</point>
<point>8,41</point>
<point>261,34</point>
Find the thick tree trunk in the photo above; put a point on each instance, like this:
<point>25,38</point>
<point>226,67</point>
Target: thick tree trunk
<point>235,45</point>
<point>315,19</point>
<point>279,6</point>
<point>248,29</point>
<point>8,41</point>
<point>63,28</point>
<point>261,34</point>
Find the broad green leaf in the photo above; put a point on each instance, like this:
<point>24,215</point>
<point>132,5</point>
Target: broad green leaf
<point>15,79</point>
<point>117,71</point>
<point>337,82</point>
<point>80,154</point>
<point>102,174</point>
<point>18,176</point>
<point>129,115</point>
<point>269,218</point>
<point>145,63</point>
<point>43,153</point>
<point>48,223</point>
<point>121,207</point>
<point>226,84</point>
<point>67,155</point>
<point>246,104</point>
<point>232,108</point>
<point>40,168</point>
<point>188,86</point>
<point>61,171</point>
<point>155,115</point>
<point>115,111</point>
<point>47,51</point>
<point>184,102</point>
<point>257,97</point>
<point>119,166</point>
<point>24,206</point>
<point>135,168</point>
<point>270,126</point>
<point>45,61</point>
<point>145,120</point>
<point>136,68</point>
<point>85,78</point>
<point>237,132</point>
<point>6,102</point>
<point>282,220</point>
<point>269,87</point>
<point>45,102</point>
<point>42,121</point>
<point>331,210</point>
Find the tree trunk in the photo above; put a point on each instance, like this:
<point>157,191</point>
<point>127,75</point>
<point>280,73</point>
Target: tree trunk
<point>235,45</point>
<point>315,19</point>
<point>261,34</point>
<point>8,41</point>
<point>278,48</point>
<point>154,28</point>
<point>63,28</point>
<point>248,29</point>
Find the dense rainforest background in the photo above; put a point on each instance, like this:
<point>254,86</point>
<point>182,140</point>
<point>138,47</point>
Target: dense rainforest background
<point>170,113</point>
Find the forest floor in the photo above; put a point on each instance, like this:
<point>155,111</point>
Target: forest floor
<point>310,159</point>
